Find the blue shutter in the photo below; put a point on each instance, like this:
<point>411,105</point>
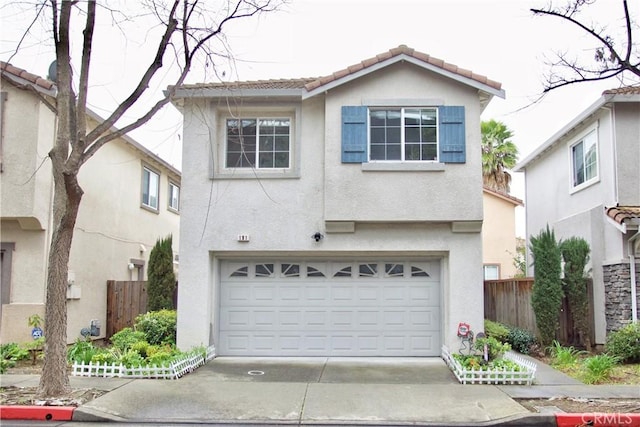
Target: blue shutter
<point>354,134</point>
<point>452,134</point>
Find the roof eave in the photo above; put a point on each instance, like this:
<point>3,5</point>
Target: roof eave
<point>551,142</point>
<point>236,93</point>
<point>403,57</point>
<point>24,82</point>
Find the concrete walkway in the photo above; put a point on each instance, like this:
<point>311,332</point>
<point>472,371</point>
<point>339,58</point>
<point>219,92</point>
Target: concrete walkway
<point>321,391</point>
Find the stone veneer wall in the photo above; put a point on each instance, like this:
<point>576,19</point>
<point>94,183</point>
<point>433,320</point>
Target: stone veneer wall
<point>618,294</point>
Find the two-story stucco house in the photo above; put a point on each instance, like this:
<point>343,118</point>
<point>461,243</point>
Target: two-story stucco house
<point>585,182</point>
<point>131,199</point>
<point>334,216</point>
<point>499,234</point>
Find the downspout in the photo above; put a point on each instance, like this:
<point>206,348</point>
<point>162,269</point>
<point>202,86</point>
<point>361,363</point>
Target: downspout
<point>632,271</point>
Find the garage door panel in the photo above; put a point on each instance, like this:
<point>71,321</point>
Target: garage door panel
<point>379,311</point>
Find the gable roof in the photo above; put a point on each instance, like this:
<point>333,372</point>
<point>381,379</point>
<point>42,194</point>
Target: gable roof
<point>504,196</point>
<point>623,94</point>
<point>309,87</point>
<point>620,214</point>
<point>25,80</point>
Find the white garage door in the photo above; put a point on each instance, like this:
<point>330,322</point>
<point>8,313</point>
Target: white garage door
<point>294,308</point>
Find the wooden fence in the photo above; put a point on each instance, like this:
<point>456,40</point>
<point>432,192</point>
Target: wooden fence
<point>508,301</point>
<point>125,301</point>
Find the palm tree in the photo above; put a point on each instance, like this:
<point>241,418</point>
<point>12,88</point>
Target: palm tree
<point>498,155</point>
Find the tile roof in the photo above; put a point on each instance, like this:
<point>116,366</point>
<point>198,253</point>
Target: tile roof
<point>313,83</point>
<point>627,90</point>
<point>23,74</point>
<point>404,50</point>
<point>502,195</point>
<point>621,213</point>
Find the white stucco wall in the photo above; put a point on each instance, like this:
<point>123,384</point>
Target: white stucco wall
<point>280,214</point>
<point>551,200</point>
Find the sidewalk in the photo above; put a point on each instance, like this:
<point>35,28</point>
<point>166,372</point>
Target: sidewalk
<point>321,391</point>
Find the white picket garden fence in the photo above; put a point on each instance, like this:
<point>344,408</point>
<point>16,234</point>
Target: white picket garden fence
<point>495,376</point>
<point>174,370</point>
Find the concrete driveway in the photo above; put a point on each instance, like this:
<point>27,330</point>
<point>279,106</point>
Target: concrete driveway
<point>329,370</point>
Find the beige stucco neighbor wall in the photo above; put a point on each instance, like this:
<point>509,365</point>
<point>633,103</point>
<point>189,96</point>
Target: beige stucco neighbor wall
<point>499,233</point>
<point>395,213</point>
<point>112,228</point>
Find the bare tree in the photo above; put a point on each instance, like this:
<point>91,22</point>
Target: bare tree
<point>188,30</point>
<point>615,56</point>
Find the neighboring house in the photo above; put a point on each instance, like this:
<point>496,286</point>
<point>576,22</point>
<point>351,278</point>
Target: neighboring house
<point>585,182</point>
<point>499,234</point>
<point>131,198</point>
<point>334,216</point>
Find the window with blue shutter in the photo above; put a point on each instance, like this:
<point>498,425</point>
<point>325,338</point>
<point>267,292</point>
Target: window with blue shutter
<point>354,134</point>
<point>452,134</point>
<point>404,134</point>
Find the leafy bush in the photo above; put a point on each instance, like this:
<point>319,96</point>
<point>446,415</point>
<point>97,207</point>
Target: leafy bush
<point>162,279</point>
<point>546,298</point>
<point>625,343</point>
<point>598,368</point>
<point>82,351</point>
<point>494,347</point>
<point>10,353</point>
<point>521,340</point>
<point>575,253</point>
<point>563,357</point>
<point>127,337</point>
<point>159,327</point>
<point>474,362</point>
<point>108,356</point>
<point>496,330</point>
<point>132,358</point>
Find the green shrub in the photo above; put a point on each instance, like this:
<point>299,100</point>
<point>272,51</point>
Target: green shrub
<point>82,351</point>
<point>546,297</point>
<point>108,356</point>
<point>159,327</point>
<point>563,357</point>
<point>141,347</point>
<point>521,340</point>
<point>575,253</point>
<point>162,279</point>
<point>496,330</point>
<point>495,348</point>
<point>598,368</point>
<point>625,343</point>
<point>131,358</point>
<point>13,351</point>
<point>127,337</point>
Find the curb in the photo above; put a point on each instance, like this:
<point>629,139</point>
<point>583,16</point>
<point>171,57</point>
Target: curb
<point>44,413</point>
<point>598,419</point>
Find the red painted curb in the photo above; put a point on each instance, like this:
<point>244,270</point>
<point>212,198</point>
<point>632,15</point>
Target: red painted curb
<point>598,419</point>
<point>46,413</point>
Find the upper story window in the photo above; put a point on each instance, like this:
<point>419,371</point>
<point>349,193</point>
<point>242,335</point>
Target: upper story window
<point>174,197</point>
<point>584,160</point>
<point>491,271</point>
<point>418,138</point>
<point>150,188</point>
<point>404,134</point>
<point>260,143</point>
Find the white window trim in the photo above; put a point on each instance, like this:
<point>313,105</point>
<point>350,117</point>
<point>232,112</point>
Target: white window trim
<point>291,111</point>
<point>573,143</point>
<point>142,203</point>
<point>402,141</point>
<point>170,198</point>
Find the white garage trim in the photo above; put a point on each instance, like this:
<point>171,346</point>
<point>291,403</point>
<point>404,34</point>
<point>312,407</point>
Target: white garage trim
<point>329,308</point>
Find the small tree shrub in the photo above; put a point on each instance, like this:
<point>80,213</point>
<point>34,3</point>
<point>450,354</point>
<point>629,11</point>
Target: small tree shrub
<point>496,330</point>
<point>495,348</point>
<point>159,327</point>
<point>82,351</point>
<point>546,298</point>
<point>124,339</point>
<point>625,343</point>
<point>162,279</point>
<point>521,340</point>
<point>575,253</point>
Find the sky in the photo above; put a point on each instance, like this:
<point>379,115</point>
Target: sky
<point>500,39</point>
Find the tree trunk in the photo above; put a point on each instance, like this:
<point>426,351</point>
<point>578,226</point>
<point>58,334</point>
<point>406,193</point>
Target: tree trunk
<point>54,380</point>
